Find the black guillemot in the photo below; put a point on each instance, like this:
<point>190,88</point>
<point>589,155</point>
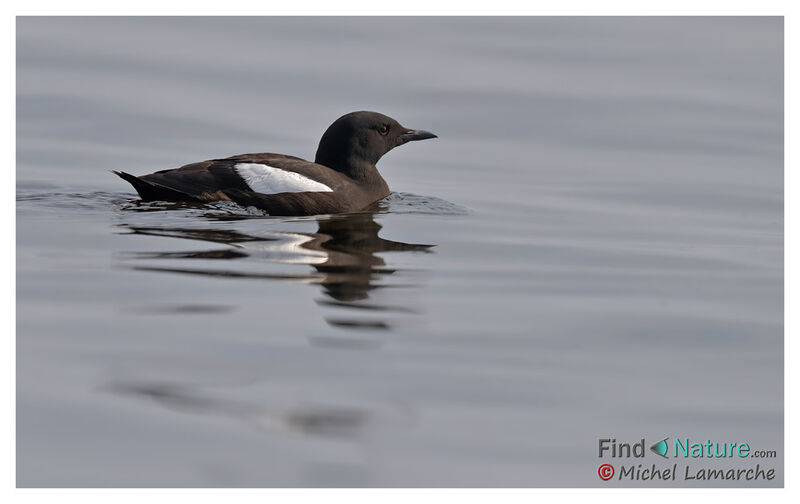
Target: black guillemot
<point>342,178</point>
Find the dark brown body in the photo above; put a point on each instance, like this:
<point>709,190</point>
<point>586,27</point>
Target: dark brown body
<point>216,180</point>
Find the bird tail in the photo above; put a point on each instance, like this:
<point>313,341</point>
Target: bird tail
<point>150,191</point>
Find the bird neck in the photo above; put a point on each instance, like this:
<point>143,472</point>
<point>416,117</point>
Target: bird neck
<point>354,167</point>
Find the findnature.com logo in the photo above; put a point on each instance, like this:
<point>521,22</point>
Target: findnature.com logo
<point>682,449</point>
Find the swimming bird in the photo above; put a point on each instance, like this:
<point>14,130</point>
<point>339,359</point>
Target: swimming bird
<point>342,178</point>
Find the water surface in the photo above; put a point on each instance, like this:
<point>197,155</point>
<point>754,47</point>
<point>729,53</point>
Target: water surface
<point>592,248</point>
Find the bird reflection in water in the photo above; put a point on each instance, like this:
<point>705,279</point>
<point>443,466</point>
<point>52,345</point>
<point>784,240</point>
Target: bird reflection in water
<point>342,254</point>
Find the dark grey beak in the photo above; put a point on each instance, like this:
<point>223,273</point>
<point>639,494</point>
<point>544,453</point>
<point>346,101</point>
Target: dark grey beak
<point>411,135</point>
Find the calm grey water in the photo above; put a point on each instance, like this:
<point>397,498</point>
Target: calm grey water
<point>593,248</point>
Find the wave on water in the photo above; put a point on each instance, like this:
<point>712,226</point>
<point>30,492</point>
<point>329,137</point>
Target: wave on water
<point>396,202</point>
<point>400,202</point>
<point>78,200</point>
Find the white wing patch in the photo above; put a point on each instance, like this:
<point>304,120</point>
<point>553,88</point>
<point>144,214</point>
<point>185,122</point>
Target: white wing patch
<point>270,180</point>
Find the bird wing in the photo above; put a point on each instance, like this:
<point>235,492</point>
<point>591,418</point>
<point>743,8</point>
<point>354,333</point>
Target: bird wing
<point>264,172</point>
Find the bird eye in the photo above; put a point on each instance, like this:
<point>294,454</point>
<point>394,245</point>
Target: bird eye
<point>384,129</point>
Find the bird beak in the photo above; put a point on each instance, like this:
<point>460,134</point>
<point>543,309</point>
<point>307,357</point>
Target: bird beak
<point>411,135</point>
